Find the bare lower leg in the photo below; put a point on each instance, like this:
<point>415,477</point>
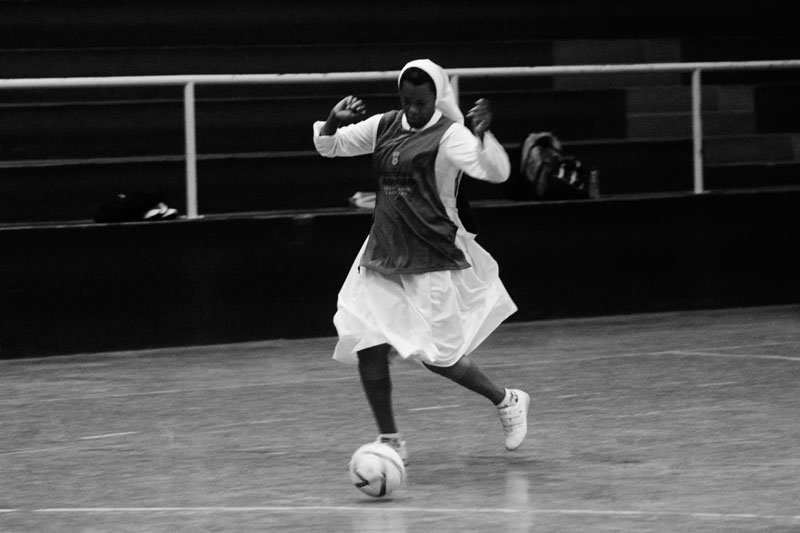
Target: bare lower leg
<point>373,367</point>
<point>468,374</point>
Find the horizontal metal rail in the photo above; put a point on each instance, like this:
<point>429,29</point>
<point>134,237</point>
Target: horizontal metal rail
<point>190,81</point>
<point>330,77</point>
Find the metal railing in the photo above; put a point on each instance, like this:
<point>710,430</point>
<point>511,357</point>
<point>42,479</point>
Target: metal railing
<point>190,81</point>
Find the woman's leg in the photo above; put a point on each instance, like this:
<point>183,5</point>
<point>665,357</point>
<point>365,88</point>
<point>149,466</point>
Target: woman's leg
<point>470,375</point>
<point>512,404</point>
<point>373,367</point>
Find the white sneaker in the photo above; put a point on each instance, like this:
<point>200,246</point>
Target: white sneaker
<point>514,417</point>
<point>398,445</point>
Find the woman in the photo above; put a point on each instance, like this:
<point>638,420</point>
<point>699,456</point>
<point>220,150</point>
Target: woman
<point>421,287</point>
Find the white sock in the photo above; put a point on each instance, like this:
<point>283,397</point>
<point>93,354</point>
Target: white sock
<point>389,436</point>
<point>506,400</point>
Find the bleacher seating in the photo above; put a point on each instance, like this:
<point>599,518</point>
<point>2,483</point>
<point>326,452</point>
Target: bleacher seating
<point>68,286</point>
<point>64,151</point>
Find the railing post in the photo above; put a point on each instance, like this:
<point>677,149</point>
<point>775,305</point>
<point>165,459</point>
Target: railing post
<point>191,150</point>
<point>697,131</point>
<point>454,85</point>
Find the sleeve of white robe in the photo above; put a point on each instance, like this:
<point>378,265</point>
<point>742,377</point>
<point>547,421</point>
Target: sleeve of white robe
<point>347,141</point>
<point>485,160</point>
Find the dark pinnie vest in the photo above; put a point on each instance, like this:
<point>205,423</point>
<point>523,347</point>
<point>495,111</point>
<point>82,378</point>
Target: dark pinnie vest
<point>411,232</point>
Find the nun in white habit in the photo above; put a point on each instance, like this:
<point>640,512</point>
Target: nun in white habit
<point>421,287</point>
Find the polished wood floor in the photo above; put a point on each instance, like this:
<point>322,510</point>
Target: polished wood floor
<point>685,421</point>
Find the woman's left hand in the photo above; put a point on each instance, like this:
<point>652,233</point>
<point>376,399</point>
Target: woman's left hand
<point>480,117</point>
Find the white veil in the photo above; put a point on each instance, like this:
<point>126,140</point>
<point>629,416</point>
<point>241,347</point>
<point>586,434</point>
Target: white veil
<point>445,97</point>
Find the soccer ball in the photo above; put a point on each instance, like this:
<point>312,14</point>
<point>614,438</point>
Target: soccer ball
<point>376,469</point>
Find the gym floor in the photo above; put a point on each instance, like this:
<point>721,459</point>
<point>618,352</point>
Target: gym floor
<point>681,421</point>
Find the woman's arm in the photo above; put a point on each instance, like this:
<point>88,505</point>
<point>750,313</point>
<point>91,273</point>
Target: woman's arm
<point>485,160</point>
<point>478,153</point>
<point>331,140</point>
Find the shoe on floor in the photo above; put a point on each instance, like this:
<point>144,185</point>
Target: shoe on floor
<point>514,417</point>
<point>398,445</point>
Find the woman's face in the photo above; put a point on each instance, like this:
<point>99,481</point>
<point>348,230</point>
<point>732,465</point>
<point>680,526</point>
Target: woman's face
<point>418,103</point>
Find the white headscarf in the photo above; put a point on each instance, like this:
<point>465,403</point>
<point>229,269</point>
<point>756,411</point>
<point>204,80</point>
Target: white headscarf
<point>445,97</point>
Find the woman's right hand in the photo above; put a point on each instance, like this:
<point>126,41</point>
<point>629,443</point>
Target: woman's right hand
<point>349,109</point>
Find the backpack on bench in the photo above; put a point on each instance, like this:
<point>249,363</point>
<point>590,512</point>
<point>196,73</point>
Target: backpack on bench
<point>550,175</point>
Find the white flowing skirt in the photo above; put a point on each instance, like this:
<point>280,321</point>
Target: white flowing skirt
<point>434,318</point>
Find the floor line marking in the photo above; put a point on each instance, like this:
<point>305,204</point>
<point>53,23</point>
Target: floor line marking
<point>753,345</point>
<point>263,509</point>
<point>736,356</point>
<point>435,510</point>
<point>37,450</point>
<point>109,435</point>
<point>348,378</point>
<point>648,354</point>
<point>435,407</point>
<point>174,391</point>
<point>221,427</point>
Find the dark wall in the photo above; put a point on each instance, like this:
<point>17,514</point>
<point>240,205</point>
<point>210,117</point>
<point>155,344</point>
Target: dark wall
<point>83,288</point>
<point>89,22</point>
